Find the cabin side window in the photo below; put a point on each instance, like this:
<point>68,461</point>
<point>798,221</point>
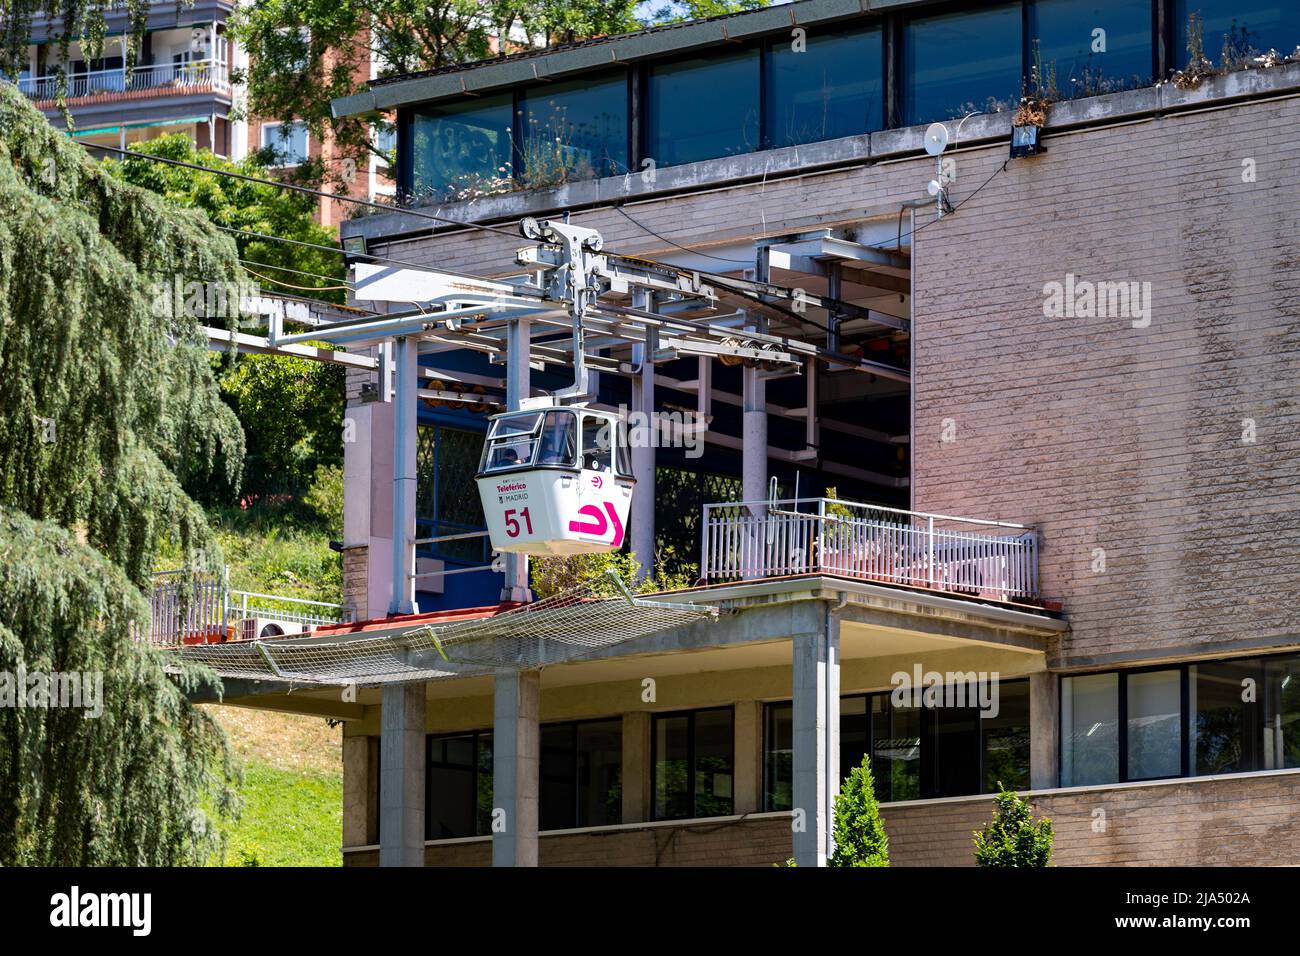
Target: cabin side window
<point>558,444</point>
<point>512,442</point>
<point>597,442</point>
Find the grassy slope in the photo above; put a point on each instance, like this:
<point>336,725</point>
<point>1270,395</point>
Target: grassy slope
<point>292,791</point>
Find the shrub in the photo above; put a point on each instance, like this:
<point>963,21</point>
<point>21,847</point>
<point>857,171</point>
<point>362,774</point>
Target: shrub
<point>860,838</point>
<point>1014,837</point>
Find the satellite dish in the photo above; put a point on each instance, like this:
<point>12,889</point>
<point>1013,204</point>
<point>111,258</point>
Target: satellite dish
<point>936,139</point>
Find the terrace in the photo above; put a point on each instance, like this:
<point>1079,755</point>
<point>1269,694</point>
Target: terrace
<point>106,86</point>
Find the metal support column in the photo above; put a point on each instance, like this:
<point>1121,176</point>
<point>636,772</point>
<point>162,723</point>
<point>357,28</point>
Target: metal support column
<point>405,383</point>
<point>518,380</point>
<point>641,439</point>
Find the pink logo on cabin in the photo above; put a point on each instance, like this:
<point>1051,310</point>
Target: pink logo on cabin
<point>598,525</point>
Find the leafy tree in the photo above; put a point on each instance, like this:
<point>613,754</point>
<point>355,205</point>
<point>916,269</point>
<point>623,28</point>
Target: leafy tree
<point>549,576</point>
<point>290,409</point>
<point>1014,837</point>
<point>106,407</point>
<point>860,838</point>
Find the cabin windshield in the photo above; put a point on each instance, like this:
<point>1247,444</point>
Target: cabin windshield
<point>512,442</point>
<point>559,440</point>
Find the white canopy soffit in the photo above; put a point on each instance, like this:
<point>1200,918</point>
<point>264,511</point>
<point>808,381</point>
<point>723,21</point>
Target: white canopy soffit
<point>565,627</point>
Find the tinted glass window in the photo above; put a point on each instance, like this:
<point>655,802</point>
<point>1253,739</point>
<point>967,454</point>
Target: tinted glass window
<point>830,86</point>
<point>599,768</point>
<point>557,808</point>
<point>703,108</point>
<point>1224,704</point>
<point>694,764</point>
<point>458,798</point>
<point>1089,730</point>
<point>559,440</point>
<point>672,780</point>
<point>961,63</point>
<point>575,130</point>
<point>778,756</point>
<point>461,147</point>
<point>1006,739</point>
<point>1241,26</point>
<point>895,749</point>
<point>1155,730</point>
<point>1095,47</point>
<point>1282,713</point>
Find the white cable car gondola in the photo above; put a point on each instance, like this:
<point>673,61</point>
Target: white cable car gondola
<point>555,480</point>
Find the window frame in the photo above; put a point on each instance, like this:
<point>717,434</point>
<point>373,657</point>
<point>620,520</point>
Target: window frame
<point>277,125</point>
<point>691,771</point>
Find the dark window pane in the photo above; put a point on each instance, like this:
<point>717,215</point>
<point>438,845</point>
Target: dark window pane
<point>954,751</point>
<point>575,130</point>
<point>778,756</point>
<point>1088,62</point>
<point>703,108</point>
<point>1154,724</point>
<point>557,809</point>
<point>672,783</point>
<point>714,771</point>
<point>1226,735</point>
<point>461,146</point>
<point>895,749</point>
<point>1242,26</point>
<point>600,773</point>
<point>855,734</point>
<point>484,784</point>
<point>1006,739</point>
<point>830,89</point>
<point>597,443</point>
<point>446,498</point>
<point>450,796</point>
<point>1089,730</point>
<point>961,63</point>
<point>1282,713</point>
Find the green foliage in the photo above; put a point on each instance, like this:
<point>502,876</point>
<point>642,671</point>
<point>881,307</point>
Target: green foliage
<point>325,496</point>
<point>860,838</point>
<point>105,409</point>
<point>549,576</point>
<point>237,204</point>
<point>291,410</point>
<point>1014,837</point>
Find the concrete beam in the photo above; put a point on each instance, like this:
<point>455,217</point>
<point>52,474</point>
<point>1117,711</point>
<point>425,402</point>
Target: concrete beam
<point>401,775</point>
<point>516,761</point>
<point>1044,730</point>
<point>816,733</point>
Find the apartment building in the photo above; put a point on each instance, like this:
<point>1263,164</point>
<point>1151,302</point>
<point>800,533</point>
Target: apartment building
<point>182,83</point>
<point>1089,354</point>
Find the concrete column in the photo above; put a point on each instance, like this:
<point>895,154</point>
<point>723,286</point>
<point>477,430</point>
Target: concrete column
<point>748,794</point>
<point>643,452</point>
<point>518,382</point>
<point>816,741</point>
<point>636,767</point>
<point>405,384</point>
<point>401,775</point>
<point>516,759</point>
<point>1044,730</point>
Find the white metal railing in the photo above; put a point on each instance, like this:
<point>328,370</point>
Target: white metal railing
<point>189,610</point>
<point>775,538</point>
<point>157,76</point>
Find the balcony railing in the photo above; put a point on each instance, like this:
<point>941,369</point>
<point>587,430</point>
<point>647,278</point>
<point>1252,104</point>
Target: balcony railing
<point>161,77</point>
<point>186,610</point>
<point>761,539</point>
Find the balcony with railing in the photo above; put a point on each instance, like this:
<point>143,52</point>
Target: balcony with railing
<point>185,609</point>
<point>158,79</point>
<point>779,538</point>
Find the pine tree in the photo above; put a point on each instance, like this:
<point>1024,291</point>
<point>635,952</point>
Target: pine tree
<point>860,838</point>
<point>108,405</point>
<point>1014,837</point>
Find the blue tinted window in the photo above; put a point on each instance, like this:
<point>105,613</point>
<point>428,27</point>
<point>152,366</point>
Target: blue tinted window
<point>1096,47</point>
<point>703,108</point>
<point>961,63</point>
<point>578,128</point>
<point>830,88</point>
<point>1244,26</point>
<point>461,146</point>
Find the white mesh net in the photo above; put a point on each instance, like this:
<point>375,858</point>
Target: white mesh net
<point>565,627</point>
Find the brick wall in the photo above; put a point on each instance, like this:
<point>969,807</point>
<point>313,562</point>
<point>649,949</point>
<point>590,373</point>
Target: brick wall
<point>1119,438</point>
<point>1210,821</point>
<point>356,580</point>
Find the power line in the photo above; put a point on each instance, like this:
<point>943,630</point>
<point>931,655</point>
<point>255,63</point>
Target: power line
<point>931,222</point>
<point>695,252</point>
<point>299,272</point>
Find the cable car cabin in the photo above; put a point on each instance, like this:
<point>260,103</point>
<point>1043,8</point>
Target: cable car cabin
<point>555,481</point>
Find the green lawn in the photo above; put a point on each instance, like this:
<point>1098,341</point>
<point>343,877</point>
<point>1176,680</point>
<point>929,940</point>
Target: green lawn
<point>289,818</point>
